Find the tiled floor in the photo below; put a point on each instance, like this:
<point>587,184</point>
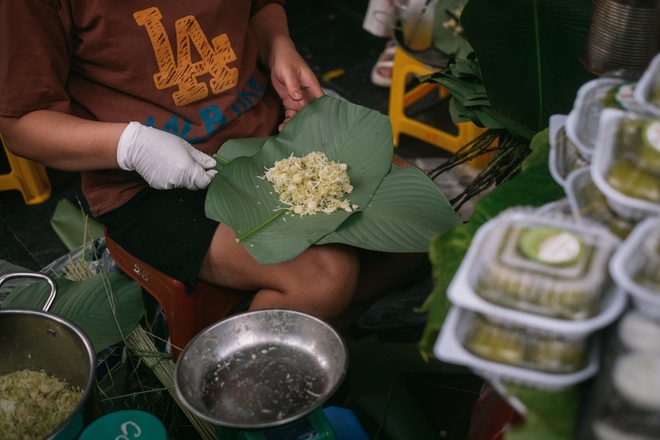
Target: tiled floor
<point>329,34</point>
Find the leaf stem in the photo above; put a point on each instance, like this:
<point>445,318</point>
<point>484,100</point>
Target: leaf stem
<point>261,225</point>
<point>220,159</point>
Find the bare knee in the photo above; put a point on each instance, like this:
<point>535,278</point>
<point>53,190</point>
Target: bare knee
<point>322,282</point>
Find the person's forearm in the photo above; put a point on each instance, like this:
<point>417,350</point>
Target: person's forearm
<point>271,29</point>
<point>61,141</point>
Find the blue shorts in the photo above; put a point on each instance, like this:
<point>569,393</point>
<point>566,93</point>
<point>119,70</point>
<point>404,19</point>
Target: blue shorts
<point>166,229</point>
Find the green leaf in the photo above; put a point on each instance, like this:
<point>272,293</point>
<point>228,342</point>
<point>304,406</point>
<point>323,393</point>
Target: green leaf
<point>345,132</point>
<point>406,211</point>
<point>107,307</point>
<point>549,414</point>
<point>529,54</point>
<point>232,149</point>
<point>73,226</point>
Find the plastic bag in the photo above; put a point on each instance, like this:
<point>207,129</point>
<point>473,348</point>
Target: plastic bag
<point>93,255</point>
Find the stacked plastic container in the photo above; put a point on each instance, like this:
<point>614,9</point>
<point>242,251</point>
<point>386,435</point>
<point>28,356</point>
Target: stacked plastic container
<point>529,297</point>
<point>525,315</point>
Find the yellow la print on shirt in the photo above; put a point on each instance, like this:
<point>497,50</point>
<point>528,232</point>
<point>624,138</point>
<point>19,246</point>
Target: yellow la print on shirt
<point>180,70</point>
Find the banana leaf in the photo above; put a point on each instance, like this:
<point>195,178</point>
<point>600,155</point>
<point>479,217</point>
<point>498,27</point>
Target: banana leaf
<point>469,101</point>
<point>73,226</point>
<point>549,414</point>
<point>106,307</point>
<point>404,198</point>
<point>362,138</point>
<point>529,54</point>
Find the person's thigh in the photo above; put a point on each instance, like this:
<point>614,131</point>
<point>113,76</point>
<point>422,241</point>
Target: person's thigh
<point>229,264</point>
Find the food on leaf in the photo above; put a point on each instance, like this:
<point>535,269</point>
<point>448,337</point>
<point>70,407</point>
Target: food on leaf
<point>391,209</point>
<point>311,184</point>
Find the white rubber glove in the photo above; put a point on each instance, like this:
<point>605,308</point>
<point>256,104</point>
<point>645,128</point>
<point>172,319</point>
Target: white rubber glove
<point>164,160</point>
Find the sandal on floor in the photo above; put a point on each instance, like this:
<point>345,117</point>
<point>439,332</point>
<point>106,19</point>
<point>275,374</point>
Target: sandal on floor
<point>381,73</point>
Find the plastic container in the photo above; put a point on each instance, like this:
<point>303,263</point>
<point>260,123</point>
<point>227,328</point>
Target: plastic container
<point>583,120</point>
<point>588,202</point>
<point>560,206</point>
<point>639,333</point>
<point>519,354</point>
<point>497,278</point>
<point>632,409</point>
<point>625,174</point>
<point>626,382</point>
<point>564,156</point>
<point>647,91</point>
<point>635,266</point>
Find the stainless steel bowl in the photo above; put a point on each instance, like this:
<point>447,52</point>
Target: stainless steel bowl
<point>261,369</point>
<point>41,341</point>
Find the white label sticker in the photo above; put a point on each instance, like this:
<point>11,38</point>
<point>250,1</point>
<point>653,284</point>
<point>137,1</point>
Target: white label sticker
<point>559,248</point>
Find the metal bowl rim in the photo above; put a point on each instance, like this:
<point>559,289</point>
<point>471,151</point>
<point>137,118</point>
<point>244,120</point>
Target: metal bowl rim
<point>320,402</point>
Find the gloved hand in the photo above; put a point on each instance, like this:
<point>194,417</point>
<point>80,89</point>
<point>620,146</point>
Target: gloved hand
<point>164,160</point>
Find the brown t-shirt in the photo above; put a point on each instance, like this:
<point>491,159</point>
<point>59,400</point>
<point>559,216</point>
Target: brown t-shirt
<point>186,67</point>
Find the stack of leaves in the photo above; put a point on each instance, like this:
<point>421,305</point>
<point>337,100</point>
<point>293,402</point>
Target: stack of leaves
<point>469,101</point>
<point>525,67</point>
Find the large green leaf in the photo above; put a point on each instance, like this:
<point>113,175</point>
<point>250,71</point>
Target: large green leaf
<point>234,148</point>
<point>345,132</point>
<point>107,307</point>
<point>549,414</point>
<point>406,211</point>
<point>529,54</point>
<point>73,226</point>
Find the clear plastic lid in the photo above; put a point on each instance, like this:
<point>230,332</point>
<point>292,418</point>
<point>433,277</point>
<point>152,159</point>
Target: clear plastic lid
<point>587,201</point>
<point>561,206</point>
<point>635,266</point>
<point>495,348</point>
<point>647,91</point>
<point>626,164</point>
<point>542,269</point>
<point>583,119</point>
<point>564,156</point>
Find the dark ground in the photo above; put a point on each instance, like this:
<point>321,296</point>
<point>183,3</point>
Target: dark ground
<point>329,34</point>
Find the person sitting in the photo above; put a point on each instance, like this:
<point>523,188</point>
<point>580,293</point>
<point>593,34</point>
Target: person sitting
<point>137,98</point>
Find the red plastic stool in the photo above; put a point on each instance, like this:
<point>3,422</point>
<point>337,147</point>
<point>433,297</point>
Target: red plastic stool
<point>186,314</point>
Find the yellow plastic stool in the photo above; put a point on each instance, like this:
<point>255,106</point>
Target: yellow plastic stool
<point>26,176</point>
<point>400,100</point>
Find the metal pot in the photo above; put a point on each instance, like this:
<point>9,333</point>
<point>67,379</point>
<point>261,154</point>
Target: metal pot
<point>38,340</point>
<point>261,369</point>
